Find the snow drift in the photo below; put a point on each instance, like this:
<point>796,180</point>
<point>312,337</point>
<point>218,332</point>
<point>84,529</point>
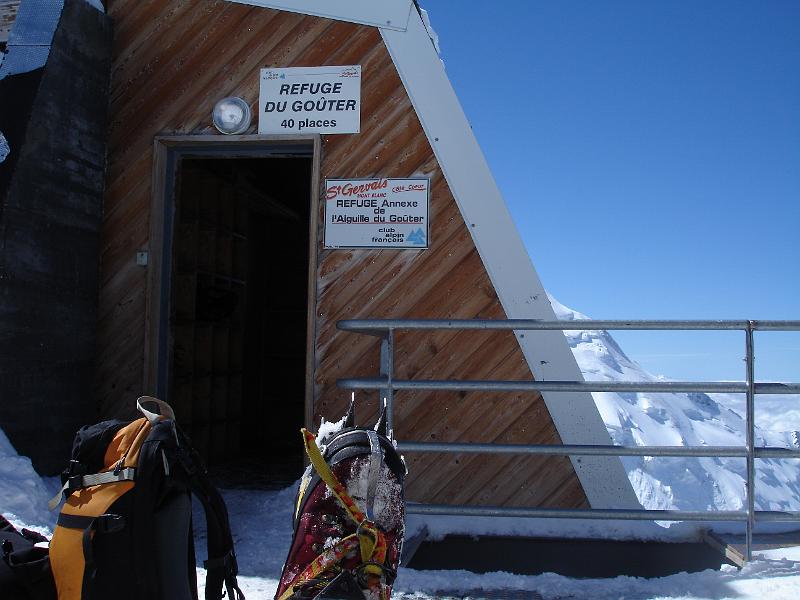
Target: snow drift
<point>23,494</point>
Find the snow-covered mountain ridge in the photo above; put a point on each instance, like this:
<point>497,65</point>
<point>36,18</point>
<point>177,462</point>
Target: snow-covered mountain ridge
<point>661,419</point>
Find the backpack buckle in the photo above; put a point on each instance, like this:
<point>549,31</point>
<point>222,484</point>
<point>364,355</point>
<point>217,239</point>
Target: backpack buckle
<point>109,523</point>
<point>74,469</point>
<point>74,483</point>
<point>227,562</point>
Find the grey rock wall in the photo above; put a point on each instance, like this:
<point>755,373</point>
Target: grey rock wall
<point>51,206</point>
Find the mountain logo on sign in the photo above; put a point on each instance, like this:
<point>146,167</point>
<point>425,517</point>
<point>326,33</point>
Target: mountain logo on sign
<point>416,237</point>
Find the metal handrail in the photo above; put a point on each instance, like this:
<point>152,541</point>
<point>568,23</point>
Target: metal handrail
<point>385,329</point>
<point>471,385</point>
<point>379,326</point>
<point>602,513</point>
<point>598,450</point>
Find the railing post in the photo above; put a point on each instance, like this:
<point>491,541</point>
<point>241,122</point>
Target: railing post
<point>751,475</point>
<point>387,370</point>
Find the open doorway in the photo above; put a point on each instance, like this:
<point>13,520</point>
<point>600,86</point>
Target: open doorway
<point>238,310</point>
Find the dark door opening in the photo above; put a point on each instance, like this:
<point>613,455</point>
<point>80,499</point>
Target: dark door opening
<point>238,312</point>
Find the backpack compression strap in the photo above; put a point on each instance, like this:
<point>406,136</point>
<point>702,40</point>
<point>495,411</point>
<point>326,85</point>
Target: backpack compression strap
<point>78,482</point>
<point>368,538</point>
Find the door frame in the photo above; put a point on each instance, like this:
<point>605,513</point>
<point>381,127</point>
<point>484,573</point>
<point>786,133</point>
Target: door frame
<point>168,152</point>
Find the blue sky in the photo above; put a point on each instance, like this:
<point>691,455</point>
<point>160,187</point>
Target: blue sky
<point>649,153</point>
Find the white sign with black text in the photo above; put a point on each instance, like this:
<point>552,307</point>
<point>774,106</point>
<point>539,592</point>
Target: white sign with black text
<point>376,213</point>
<point>310,100</point>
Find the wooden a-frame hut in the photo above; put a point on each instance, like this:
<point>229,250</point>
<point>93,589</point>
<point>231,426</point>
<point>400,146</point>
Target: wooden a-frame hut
<point>218,284</point>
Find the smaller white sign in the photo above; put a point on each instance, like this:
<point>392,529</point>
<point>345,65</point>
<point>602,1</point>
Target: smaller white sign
<point>376,213</point>
<point>310,100</point>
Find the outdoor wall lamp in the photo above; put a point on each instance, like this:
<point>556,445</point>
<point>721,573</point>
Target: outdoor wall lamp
<point>231,116</point>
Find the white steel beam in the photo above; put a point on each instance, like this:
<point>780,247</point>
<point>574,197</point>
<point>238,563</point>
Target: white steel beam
<point>389,14</point>
<point>506,260</point>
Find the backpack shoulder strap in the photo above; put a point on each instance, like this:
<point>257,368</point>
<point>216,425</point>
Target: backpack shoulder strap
<point>221,565</point>
<point>179,460</point>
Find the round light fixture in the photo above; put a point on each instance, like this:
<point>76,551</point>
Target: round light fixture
<point>231,116</point>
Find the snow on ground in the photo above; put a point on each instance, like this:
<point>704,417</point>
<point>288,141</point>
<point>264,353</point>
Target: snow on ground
<point>261,522</point>
<point>262,533</point>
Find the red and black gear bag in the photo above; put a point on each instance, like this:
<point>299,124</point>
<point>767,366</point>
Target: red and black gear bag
<point>348,520</point>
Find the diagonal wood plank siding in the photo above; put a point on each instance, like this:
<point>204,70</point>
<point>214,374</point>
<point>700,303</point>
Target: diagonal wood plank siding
<point>172,61</point>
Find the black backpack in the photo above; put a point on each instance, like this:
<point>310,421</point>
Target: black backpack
<point>125,531</point>
<point>24,568</point>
